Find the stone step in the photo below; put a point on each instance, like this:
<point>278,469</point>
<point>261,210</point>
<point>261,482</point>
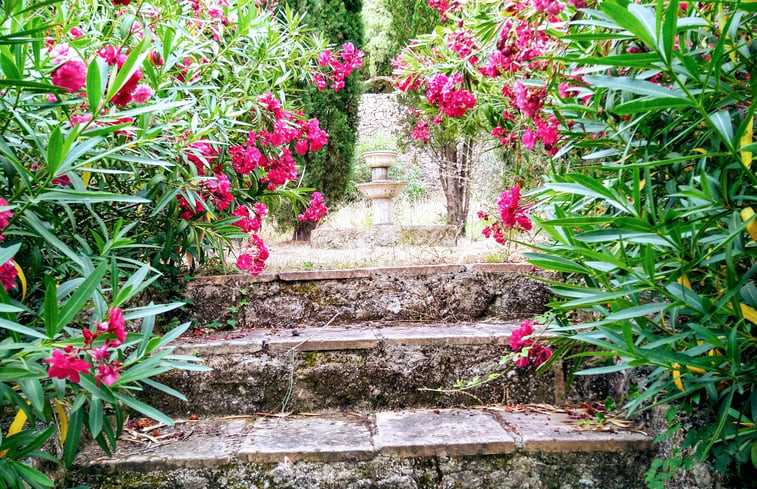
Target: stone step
<point>414,293</point>
<point>500,447</point>
<point>360,367</point>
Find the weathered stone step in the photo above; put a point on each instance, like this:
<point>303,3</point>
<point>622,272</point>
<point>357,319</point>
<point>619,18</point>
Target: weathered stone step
<point>414,293</point>
<point>417,449</point>
<point>362,367</point>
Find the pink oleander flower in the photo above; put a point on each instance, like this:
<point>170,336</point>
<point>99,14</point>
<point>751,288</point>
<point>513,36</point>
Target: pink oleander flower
<point>8,275</point>
<point>529,139</point>
<point>6,215</point>
<point>463,42</point>
<point>444,6</point>
<point>510,210</point>
<point>320,81</point>
<point>442,92</point>
<point>114,325</point>
<point>187,210</point>
<point>420,131</point>
<point>547,131</point>
<point>280,170</point>
<point>529,100</point>
<point>80,119</point>
<point>244,159</point>
<point>250,222</point>
<point>341,64</point>
<point>142,93</point>
<point>72,75</point>
<point>202,155</point>
<point>551,7</point>
<point>244,261</point>
<point>254,262</point>
<point>126,93</point>
<point>219,189</point>
<point>521,361</point>
<point>271,103</point>
<point>521,336</point>
<point>313,137</point>
<point>66,366</point>
<point>324,58</point>
<point>539,354</point>
<point>75,32</point>
<point>316,210</point>
<point>108,373</point>
<point>62,180</point>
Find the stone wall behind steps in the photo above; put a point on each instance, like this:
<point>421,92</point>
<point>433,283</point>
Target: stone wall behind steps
<point>446,293</point>
<point>381,117</point>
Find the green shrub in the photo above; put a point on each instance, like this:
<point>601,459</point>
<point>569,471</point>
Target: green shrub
<point>650,212</point>
<point>119,126</point>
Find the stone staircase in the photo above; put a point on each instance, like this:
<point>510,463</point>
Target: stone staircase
<point>325,385</point>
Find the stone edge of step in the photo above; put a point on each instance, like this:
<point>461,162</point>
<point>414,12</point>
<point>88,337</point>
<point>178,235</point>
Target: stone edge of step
<point>408,270</point>
<point>397,434</point>
<point>351,337</point>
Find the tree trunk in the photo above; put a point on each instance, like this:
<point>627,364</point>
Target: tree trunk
<point>455,161</point>
<point>302,230</point>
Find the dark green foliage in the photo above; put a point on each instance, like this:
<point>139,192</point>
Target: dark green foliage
<point>328,170</point>
<point>409,20</point>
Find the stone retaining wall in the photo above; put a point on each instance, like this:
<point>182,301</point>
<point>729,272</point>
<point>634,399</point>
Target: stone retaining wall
<point>411,293</point>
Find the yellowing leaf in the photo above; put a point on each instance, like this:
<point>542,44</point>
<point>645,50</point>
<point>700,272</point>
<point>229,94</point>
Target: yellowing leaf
<point>86,175</point>
<point>22,279</point>
<point>746,138</point>
<point>16,426</point>
<point>749,313</point>
<point>696,370</point>
<point>62,421</point>
<point>701,150</point>
<point>677,376</point>
<point>746,214</point>
<point>684,280</point>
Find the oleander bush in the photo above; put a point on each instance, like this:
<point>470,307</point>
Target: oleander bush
<point>135,138</point>
<point>647,109</point>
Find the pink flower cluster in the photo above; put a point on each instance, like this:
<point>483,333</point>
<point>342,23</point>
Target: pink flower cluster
<point>8,272</point>
<point>421,131</point>
<point>254,261</point>
<point>217,188</point>
<point>341,64</point>
<point>444,6</point>
<point>5,217</point>
<point>316,210</point>
<point>131,91</point>
<point>522,338</point>
<point>70,72</point>
<point>511,216</point>
<point>250,222</point>
<point>8,275</point>
<point>443,92</point>
<point>519,43</point>
<point>550,7</point>
<point>287,127</point>
<point>529,100</point>
<point>67,364</point>
<point>463,42</point>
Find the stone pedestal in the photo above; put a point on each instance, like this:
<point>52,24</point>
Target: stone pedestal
<point>380,189</point>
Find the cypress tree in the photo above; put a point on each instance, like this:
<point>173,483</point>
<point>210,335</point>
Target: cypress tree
<point>328,170</point>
